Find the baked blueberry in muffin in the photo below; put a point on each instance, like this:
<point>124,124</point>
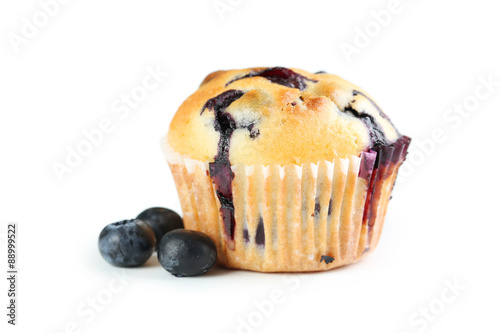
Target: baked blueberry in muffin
<point>286,170</point>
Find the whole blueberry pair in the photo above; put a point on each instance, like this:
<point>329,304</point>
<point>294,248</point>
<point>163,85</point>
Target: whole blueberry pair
<point>130,243</point>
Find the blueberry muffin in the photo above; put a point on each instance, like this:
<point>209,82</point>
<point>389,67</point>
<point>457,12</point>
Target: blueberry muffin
<point>286,170</point>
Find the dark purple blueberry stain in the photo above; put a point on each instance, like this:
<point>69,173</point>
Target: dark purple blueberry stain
<point>280,75</point>
<point>330,207</point>
<point>220,169</point>
<point>401,148</point>
<point>387,157</point>
<point>222,176</point>
<point>400,151</point>
<point>321,72</point>
<point>382,114</point>
<point>384,157</point>
<point>317,208</point>
<point>368,160</point>
<point>376,160</point>
<point>260,236</point>
<point>375,131</point>
<point>246,236</point>
<point>327,259</point>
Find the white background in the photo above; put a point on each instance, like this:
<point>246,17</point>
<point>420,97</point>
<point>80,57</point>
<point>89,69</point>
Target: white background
<point>442,224</point>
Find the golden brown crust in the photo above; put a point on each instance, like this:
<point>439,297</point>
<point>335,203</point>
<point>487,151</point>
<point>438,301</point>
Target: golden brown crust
<point>294,126</point>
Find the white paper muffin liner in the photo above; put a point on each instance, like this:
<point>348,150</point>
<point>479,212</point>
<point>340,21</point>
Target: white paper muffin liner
<point>292,218</point>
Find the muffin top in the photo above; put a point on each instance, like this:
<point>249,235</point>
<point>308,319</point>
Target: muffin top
<point>278,116</point>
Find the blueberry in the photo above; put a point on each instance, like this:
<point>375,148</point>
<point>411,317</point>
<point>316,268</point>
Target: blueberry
<point>127,243</point>
<point>280,75</point>
<point>187,253</point>
<point>161,220</point>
